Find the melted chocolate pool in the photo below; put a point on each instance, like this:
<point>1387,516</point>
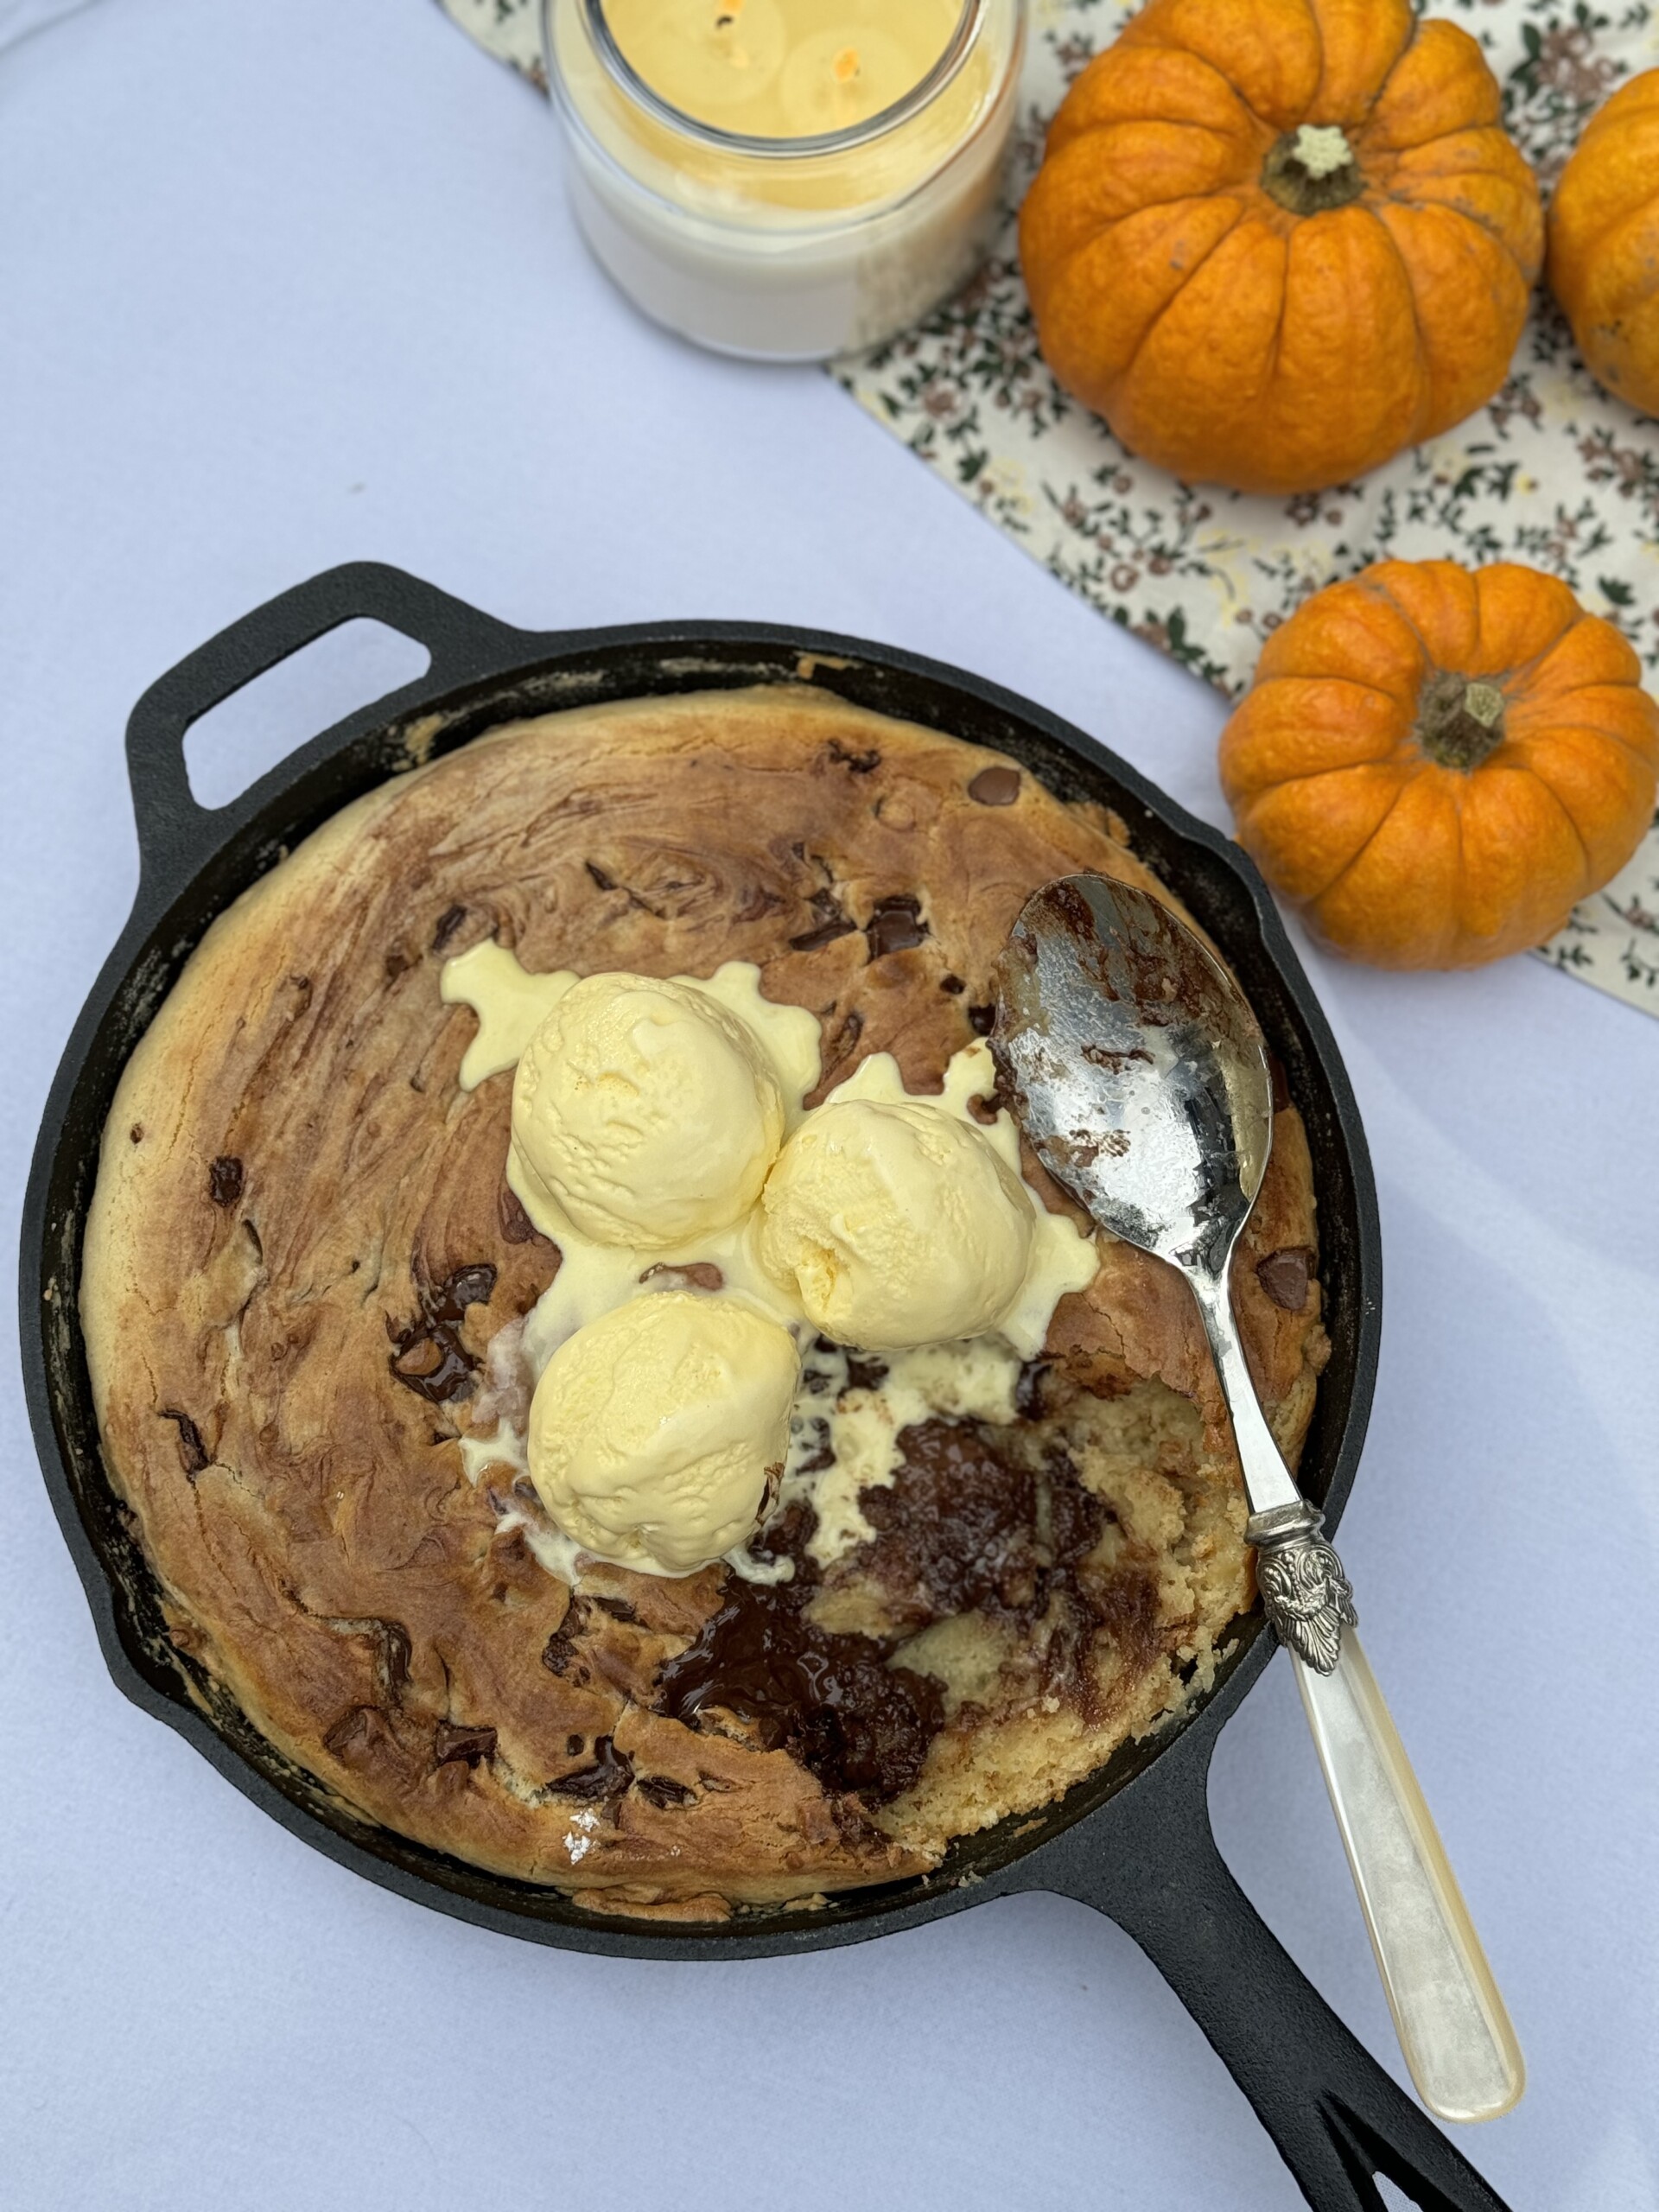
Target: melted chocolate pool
<point>831,1701</point>
<point>963,1528</point>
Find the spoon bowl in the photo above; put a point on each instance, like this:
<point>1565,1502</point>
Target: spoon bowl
<point>1141,1073</point>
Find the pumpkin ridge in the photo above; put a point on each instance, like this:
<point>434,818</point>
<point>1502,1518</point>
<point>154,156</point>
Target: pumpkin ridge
<point>1313,17</point>
<point>1312,776</point>
<point>1130,365</point>
<point>1467,45</point>
<point>1192,54</point>
<point>1380,596</point>
<point>1644,761</point>
<point>1423,412</point>
<point>1458,928</point>
<point>1488,150</point>
<point>1640,203</point>
<point>1433,663</point>
<point>1566,812</point>
<point>1523,671</point>
<point>1382,84</point>
<point>1584,842</point>
<point>1277,348</point>
<point>1378,90</point>
<point>1324,676</point>
<point>1639,215</point>
<point>1246,813</point>
<point>1181,200</point>
<point>1202,62</point>
<point>1369,839</point>
<point>1161,123</point>
<point>1464,215</point>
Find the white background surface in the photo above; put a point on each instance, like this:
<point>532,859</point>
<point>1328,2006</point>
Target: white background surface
<point>286,285</point>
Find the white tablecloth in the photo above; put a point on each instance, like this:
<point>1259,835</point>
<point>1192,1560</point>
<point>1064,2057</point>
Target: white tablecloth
<point>288,285</point>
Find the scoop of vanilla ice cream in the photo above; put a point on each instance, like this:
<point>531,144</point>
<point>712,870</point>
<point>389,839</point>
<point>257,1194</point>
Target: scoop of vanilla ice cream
<point>656,1432</point>
<point>896,1224</point>
<point>646,1111</point>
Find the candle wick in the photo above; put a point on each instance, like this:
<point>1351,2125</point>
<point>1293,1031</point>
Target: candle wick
<point>846,65</point>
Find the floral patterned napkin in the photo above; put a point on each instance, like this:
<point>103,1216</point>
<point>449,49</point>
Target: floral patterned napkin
<point>1552,471</point>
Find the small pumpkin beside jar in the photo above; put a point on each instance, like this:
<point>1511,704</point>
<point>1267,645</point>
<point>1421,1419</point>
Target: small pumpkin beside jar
<point>1274,242</point>
<point>1604,243</point>
<point>1437,764</point>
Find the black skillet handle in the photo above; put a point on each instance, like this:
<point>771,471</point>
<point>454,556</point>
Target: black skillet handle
<point>1336,2118</point>
<point>174,832</point>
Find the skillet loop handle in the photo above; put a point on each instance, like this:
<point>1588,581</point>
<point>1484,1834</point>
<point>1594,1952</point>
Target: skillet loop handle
<point>175,832</point>
<point>1337,2119</point>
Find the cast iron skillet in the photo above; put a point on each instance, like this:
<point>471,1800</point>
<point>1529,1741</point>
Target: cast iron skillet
<point>1134,1841</point>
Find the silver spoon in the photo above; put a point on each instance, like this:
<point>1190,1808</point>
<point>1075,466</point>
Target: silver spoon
<point>1141,1077</point>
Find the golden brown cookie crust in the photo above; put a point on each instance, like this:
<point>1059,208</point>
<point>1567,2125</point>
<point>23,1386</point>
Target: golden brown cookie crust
<point>292,1184</point>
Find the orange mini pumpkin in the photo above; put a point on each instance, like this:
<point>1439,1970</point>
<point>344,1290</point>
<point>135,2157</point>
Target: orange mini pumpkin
<point>1438,765</point>
<point>1274,241</point>
<point>1604,243</point>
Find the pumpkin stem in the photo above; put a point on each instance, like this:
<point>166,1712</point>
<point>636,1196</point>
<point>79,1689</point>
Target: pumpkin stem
<point>1459,723</point>
<point>1312,169</point>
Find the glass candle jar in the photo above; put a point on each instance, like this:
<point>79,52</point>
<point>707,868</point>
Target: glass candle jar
<point>785,179</point>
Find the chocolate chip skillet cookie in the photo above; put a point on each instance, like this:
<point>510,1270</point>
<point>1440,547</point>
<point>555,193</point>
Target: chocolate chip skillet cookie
<point>596,1377</point>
